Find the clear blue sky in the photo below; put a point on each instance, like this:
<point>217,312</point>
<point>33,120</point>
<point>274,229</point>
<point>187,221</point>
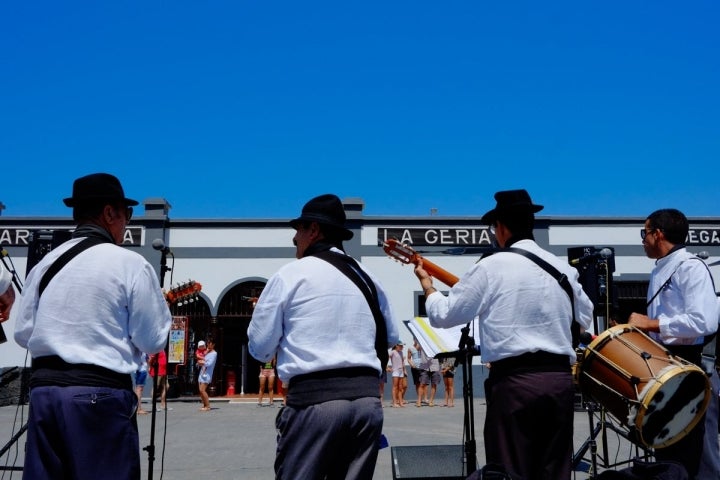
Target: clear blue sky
<point>247,109</point>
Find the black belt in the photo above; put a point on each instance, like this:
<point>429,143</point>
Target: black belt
<point>335,384</point>
<point>691,353</point>
<point>54,371</point>
<point>530,362</point>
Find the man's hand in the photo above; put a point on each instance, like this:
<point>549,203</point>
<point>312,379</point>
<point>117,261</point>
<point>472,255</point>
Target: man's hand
<point>425,279</point>
<point>6,302</point>
<point>643,322</point>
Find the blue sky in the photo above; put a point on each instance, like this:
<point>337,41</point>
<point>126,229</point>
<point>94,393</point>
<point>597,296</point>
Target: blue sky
<point>247,109</point>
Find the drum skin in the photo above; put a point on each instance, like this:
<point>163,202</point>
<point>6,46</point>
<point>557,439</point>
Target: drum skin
<point>659,397</point>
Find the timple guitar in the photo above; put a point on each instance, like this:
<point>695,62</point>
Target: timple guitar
<point>184,293</point>
<point>405,254</point>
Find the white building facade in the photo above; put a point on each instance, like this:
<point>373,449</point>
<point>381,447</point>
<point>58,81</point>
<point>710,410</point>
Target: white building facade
<point>232,259</point>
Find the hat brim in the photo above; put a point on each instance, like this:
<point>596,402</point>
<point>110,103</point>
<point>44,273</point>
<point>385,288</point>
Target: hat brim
<point>490,217</point>
<point>74,202</point>
<point>345,234</point>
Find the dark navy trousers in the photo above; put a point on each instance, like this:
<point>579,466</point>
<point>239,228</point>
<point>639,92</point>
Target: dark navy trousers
<point>82,433</point>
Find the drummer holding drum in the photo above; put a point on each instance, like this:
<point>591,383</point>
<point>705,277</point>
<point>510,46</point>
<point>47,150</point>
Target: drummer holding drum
<point>682,311</point>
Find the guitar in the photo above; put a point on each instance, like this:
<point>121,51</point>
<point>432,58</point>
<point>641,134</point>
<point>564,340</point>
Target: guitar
<point>184,293</point>
<point>406,255</point>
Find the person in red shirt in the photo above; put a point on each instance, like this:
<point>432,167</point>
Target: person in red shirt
<point>158,361</point>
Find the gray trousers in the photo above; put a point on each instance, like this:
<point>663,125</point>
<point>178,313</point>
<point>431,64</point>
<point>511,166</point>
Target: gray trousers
<point>338,439</point>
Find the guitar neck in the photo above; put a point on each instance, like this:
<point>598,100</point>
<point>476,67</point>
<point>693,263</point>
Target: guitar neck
<point>440,273</point>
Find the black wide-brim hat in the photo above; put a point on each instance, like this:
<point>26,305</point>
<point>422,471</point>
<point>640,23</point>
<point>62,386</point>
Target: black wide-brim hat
<point>98,188</point>
<point>509,201</point>
<point>325,209</point>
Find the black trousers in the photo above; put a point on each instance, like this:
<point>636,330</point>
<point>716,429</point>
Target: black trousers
<point>529,424</point>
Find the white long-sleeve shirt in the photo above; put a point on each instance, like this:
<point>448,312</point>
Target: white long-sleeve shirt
<point>687,307</point>
<point>521,307</point>
<point>105,307</point>
<point>315,318</point>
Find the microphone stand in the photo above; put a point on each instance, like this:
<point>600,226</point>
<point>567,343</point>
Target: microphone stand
<point>156,366</point>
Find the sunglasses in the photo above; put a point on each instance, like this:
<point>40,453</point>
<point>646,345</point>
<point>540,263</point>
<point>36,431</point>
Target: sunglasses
<point>644,233</point>
<point>128,211</point>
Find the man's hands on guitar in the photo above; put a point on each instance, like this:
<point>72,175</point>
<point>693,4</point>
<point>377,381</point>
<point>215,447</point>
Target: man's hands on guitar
<point>426,282</point>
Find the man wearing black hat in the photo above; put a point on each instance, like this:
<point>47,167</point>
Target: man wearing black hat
<point>525,334</point>
<point>329,322</point>
<point>89,310</point>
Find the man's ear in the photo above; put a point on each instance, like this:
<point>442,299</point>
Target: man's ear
<point>315,232</point>
<point>108,214</point>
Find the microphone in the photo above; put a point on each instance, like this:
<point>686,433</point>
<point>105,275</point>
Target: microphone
<point>159,245</point>
<point>703,255</point>
<point>586,338</point>
<point>604,253</point>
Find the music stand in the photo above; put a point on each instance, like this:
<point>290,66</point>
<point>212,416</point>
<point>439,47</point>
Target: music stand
<point>466,350</point>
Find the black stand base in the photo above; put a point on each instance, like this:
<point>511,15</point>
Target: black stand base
<point>599,426</point>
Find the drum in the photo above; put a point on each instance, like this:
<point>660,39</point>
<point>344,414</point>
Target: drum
<point>659,397</point>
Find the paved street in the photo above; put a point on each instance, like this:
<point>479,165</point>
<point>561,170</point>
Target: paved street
<point>236,439</point>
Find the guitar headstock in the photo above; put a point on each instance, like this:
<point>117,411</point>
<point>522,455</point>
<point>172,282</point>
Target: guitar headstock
<point>400,252</point>
<point>184,293</point>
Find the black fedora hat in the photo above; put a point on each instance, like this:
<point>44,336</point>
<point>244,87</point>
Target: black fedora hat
<point>97,188</point>
<point>325,209</point>
<point>510,201</point>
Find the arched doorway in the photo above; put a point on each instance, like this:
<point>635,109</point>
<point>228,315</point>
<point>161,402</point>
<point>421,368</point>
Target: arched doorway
<point>199,324</point>
<point>234,314</point>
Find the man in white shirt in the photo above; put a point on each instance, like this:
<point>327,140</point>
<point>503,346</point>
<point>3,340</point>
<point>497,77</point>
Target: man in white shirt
<point>682,311</point>
<point>329,323</point>
<point>525,321</point>
<point>99,312</point>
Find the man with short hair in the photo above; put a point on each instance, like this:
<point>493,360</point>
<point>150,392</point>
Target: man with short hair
<point>682,311</point>
<point>413,358</point>
<point>100,310</point>
<point>329,322</point>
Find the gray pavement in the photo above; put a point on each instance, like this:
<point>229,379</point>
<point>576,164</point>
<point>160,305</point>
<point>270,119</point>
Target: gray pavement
<point>236,439</point>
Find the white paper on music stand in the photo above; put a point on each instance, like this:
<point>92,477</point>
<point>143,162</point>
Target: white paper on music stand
<point>434,340</point>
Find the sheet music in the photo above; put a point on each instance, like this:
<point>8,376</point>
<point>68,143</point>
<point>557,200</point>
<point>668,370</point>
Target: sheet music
<point>435,340</point>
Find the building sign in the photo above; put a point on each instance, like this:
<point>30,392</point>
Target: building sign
<point>703,236</point>
<point>444,237</point>
<point>20,237</point>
